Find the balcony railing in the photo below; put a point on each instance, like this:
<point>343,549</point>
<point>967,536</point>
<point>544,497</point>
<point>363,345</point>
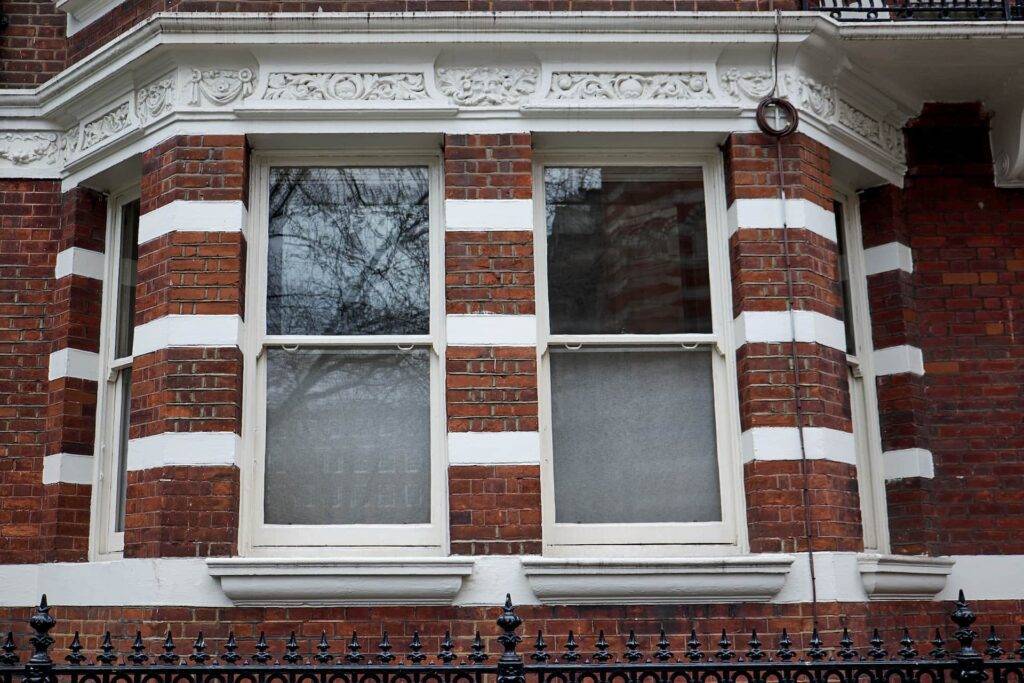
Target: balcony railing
<point>919,10</point>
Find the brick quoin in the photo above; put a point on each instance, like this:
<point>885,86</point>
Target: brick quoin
<point>738,620</point>
<point>178,511</point>
<point>489,272</point>
<point>962,306</point>
<point>29,232</point>
<point>767,383</point>
<point>495,509</point>
<point>492,166</point>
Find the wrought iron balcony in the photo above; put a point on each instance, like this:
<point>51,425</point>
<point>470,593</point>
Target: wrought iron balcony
<point>919,10</point>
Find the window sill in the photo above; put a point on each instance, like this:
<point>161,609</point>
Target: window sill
<point>903,577</point>
<point>301,582</point>
<point>749,578</point>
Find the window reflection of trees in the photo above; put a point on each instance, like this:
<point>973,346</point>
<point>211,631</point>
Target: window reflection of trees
<point>348,431</point>
<point>348,251</point>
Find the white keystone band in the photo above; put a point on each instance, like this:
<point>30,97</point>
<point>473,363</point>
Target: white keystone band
<point>193,216</point>
<point>776,326</point>
<point>78,261</point>
<point>187,330</point>
<point>184,449</point>
<point>76,363</point>
<point>488,214</point>
<point>886,257</point>
<point>783,443</point>
<point>767,213</point>
<point>907,463</point>
<point>494,448</point>
<point>896,360</point>
<point>491,330</point>
<point>67,468</point>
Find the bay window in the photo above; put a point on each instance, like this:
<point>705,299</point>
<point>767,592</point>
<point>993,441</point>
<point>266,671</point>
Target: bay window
<point>637,405</point>
<point>345,334</point>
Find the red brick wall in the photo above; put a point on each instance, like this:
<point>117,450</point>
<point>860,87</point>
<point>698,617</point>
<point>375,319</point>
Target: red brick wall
<point>495,510</point>
<point>32,48</point>
<point>921,617</point>
<point>962,306</point>
<point>488,166</point>
<point>489,272</point>
<point>29,230</point>
<point>195,167</point>
<point>491,389</point>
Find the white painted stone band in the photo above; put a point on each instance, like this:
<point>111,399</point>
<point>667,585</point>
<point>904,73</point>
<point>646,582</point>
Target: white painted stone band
<point>494,448</point>
<point>907,463</point>
<point>886,257</point>
<point>76,363</point>
<point>193,216</point>
<point>491,330</point>
<point>186,582</point>
<point>896,360</point>
<point>488,214</point>
<point>78,261</point>
<point>187,330</point>
<point>783,443</point>
<point>184,449</point>
<point>776,326</point>
<point>67,468</point>
<point>767,213</point>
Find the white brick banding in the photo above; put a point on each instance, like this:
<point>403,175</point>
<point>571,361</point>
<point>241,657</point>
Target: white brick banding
<point>897,360</point>
<point>193,216</point>
<point>187,330</point>
<point>776,326</point>
<point>486,329</point>
<point>494,448</point>
<point>886,257</point>
<point>907,463</point>
<point>783,443</point>
<point>768,213</point>
<point>184,449</point>
<point>488,214</point>
<point>78,261</point>
<point>76,363</point>
<point>67,468</point>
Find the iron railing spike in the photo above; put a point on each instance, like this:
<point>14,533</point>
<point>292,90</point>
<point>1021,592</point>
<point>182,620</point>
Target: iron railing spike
<point>262,655</point>
<point>633,653</point>
<point>138,654</point>
<point>291,650</point>
<point>353,654</point>
<point>785,651</point>
<point>754,651</point>
<point>1020,643</point>
<point>447,653</point>
<point>602,654</point>
<point>994,649</point>
<point>416,649</point>
<point>877,650</point>
<point>10,650</point>
<point>540,649</point>
<point>230,654</point>
<point>907,649</point>
<point>816,652</point>
<point>846,650</point>
<point>323,650</point>
<point>168,656</point>
<point>693,652</point>
<point>384,653</point>
<point>107,653</point>
<point>571,655</point>
<point>75,656</point>
<point>939,650</point>
<point>664,651</point>
<point>725,651</point>
<point>199,654</point>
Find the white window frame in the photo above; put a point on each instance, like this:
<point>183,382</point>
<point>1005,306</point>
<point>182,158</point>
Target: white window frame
<point>105,542</point>
<point>257,538</point>
<point>649,539</point>
<point>866,429</point>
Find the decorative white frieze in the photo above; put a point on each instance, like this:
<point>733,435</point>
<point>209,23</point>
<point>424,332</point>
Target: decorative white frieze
<point>29,148</point>
<point>346,87</point>
<point>155,99</point>
<point>487,86</point>
<point>220,86</point>
<point>811,95</point>
<point>106,125</point>
<point>69,143</point>
<point>751,84</point>
<point>881,133</point>
<point>616,86</point>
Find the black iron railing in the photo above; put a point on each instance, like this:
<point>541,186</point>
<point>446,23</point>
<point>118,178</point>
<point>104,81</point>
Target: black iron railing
<point>844,662</point>
<point>918,10</point>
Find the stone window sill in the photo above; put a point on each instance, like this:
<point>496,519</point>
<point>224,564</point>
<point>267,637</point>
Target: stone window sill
<point>903,577</point>
<point>750,578</point>
<point>315,582</point>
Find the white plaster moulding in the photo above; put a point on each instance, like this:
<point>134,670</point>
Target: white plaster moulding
<point>190,449</point>
<point>78,261</point>
<point>890,256</point>
<point>897,360</point>
<point>904,577</point>
<point>776,327</point>
<point>783,443</point>
<point>68,362</point>
<point>750,578</point>
<point>494,448</point>
<point>305,582</point>
<point>768,213</point>
<point>485,329</point>
<point>488,214</point>
<point>81,13</point>
<point>187,330</point>
<point>67,468</point>
<point>193,216</point>
<point>907,463</point>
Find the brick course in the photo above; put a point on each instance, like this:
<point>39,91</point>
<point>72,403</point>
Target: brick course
<point>488,166</point>
<point>491,389</point>
<point>489,272</point>
<point>195,167</point>
<point>33,48</point>
<point>495,509</point>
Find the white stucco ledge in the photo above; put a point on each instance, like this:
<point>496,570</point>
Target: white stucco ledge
<point>904,577</point>
<point>748,578</point>
<point>312,582</point>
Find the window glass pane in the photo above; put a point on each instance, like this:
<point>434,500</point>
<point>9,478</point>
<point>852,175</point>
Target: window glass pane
<point>127,275</point>
<point>633,436</point>
<point>124,395</point>
<point>627,251</point>
<point>349,251</point>
<point>348,437</point>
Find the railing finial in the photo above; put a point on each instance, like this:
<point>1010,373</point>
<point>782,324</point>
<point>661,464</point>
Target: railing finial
<point>39,667</point>
<point>969,662</point>
<point>510,665</point>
